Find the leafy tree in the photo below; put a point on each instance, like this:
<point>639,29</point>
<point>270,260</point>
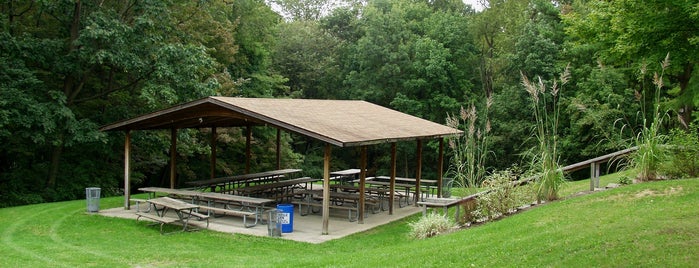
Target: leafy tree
<point>83,64</point>
<point>632,33</point>
<point>308,59</point>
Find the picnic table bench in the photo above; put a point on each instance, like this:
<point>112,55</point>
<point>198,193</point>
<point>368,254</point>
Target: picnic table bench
<point>405,195</point>
<point>233,205</point>
<point>338,200</point>
<point>446,203</point>
<point>246,206</point>
<point>276,190</point>
<point>229,183</point>
<point>183,210</point>
<point>429,185</point>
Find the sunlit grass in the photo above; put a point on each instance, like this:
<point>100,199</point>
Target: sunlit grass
<point>648,224</point>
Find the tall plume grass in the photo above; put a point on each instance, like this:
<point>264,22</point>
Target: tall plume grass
<point>469,152</point>
<point>545,155</point>
<point>650,141</point>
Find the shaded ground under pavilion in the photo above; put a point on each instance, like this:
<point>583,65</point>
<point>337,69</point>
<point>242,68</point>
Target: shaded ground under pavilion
<point>341,123</point>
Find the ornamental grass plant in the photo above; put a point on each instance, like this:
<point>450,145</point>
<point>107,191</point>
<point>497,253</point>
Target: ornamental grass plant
<point>649,140</point>
<point>545,156</point>
<point>469,152</point>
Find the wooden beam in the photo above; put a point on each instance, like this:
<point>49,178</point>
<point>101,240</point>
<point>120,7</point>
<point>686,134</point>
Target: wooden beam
<point>418,171</point>
<point>326,189</point>
<point>279,148</point>
<point>248,154</point>
<point>392,184</point>
<point>213,152</point>
<point>362,181</point>
<point>173,157</point>
<point>127,170</point>
<point>440,167</point>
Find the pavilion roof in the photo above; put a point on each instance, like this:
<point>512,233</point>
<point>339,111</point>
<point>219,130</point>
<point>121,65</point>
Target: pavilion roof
<point>342,123</point>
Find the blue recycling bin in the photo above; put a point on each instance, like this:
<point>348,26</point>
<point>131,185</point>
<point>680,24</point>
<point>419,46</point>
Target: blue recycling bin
<point>285,217</point>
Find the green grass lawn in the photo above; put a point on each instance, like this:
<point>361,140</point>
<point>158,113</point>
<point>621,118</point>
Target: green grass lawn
<point>649,224</point>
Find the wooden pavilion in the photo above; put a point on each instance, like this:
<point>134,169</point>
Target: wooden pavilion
<point>342,123</point>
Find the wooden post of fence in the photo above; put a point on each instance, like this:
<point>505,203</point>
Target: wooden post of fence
<point>594,175</point>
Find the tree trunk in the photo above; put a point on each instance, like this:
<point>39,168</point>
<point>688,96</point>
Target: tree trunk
<point>56,152</point>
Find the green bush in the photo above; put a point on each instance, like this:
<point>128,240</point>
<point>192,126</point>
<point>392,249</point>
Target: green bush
<point>682,154</point>
<point>502,196</point>
<point>430,225</point>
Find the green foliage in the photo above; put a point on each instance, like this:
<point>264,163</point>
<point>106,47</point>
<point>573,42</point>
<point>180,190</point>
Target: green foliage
<point>545,155</point>
<point>73,66</point>
<point>430,225</point>
<point>469,152</point>
<point>62,234</point>
<point>650,141</point>
<point>501,196</point>
<point>682,153</point>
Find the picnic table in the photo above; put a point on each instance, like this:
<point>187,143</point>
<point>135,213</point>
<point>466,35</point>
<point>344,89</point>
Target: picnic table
<point>405,195</point>
<point>345,176</point>
<point>380,192</point>
<point>276,190</point>
<point>229,183</point>
<point>338,200</point>
<point>429,185</point>
<point>234,205</point>
<point>183,210</point>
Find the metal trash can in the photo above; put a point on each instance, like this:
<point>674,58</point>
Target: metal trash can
<point>274,227</point>
<point>286,217</point>
<point>446,186</point>
<point>92,194</point>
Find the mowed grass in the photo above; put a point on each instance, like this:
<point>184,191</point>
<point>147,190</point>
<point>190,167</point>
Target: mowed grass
<point>649,224</point>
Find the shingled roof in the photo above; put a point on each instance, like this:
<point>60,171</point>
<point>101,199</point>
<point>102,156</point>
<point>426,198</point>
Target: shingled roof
<point>342,123</point>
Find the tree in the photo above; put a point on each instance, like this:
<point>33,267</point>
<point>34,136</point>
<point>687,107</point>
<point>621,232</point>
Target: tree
<point>308,59</point>
<point>632,33</point>
<point>83,64</point>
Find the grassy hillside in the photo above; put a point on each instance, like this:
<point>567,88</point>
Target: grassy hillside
<point>650,224</point>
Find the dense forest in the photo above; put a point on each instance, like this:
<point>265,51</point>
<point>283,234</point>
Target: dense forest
<point>68,67</point>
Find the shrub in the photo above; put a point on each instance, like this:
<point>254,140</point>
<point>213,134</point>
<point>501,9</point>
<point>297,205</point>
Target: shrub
<point>430,225</point>
<point>502,196</point>
<point>683,154</point>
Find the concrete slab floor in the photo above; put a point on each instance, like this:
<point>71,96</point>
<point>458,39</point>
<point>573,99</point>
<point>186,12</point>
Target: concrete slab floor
<point>305,228</point>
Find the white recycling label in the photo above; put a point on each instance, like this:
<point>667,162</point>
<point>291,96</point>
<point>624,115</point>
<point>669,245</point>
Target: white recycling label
<point>283,218</point>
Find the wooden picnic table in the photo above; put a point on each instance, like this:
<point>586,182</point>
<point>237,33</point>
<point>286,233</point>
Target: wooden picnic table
<point>345,176</point>
<point>429,185</point>
<point>338,200</point>
<point>227,183</point>
<point>279,190</point>
<point>385,184</point>
<point>183,210</point>
<point>235,205</point>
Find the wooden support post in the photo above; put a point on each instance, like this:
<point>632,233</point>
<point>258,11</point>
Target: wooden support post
<point>362,181</point>
<point>418,171</point>
<point>173,157</point>
<point>440,167</point>
<point>279,148</point>
<point>594,175</point>
<point>127,170</point>
<point>392,184</point>
<point>326,188</point>
<point>213,152</point>
<point>248,154</point>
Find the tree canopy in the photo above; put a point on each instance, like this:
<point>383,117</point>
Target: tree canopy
<point>68,67</point>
